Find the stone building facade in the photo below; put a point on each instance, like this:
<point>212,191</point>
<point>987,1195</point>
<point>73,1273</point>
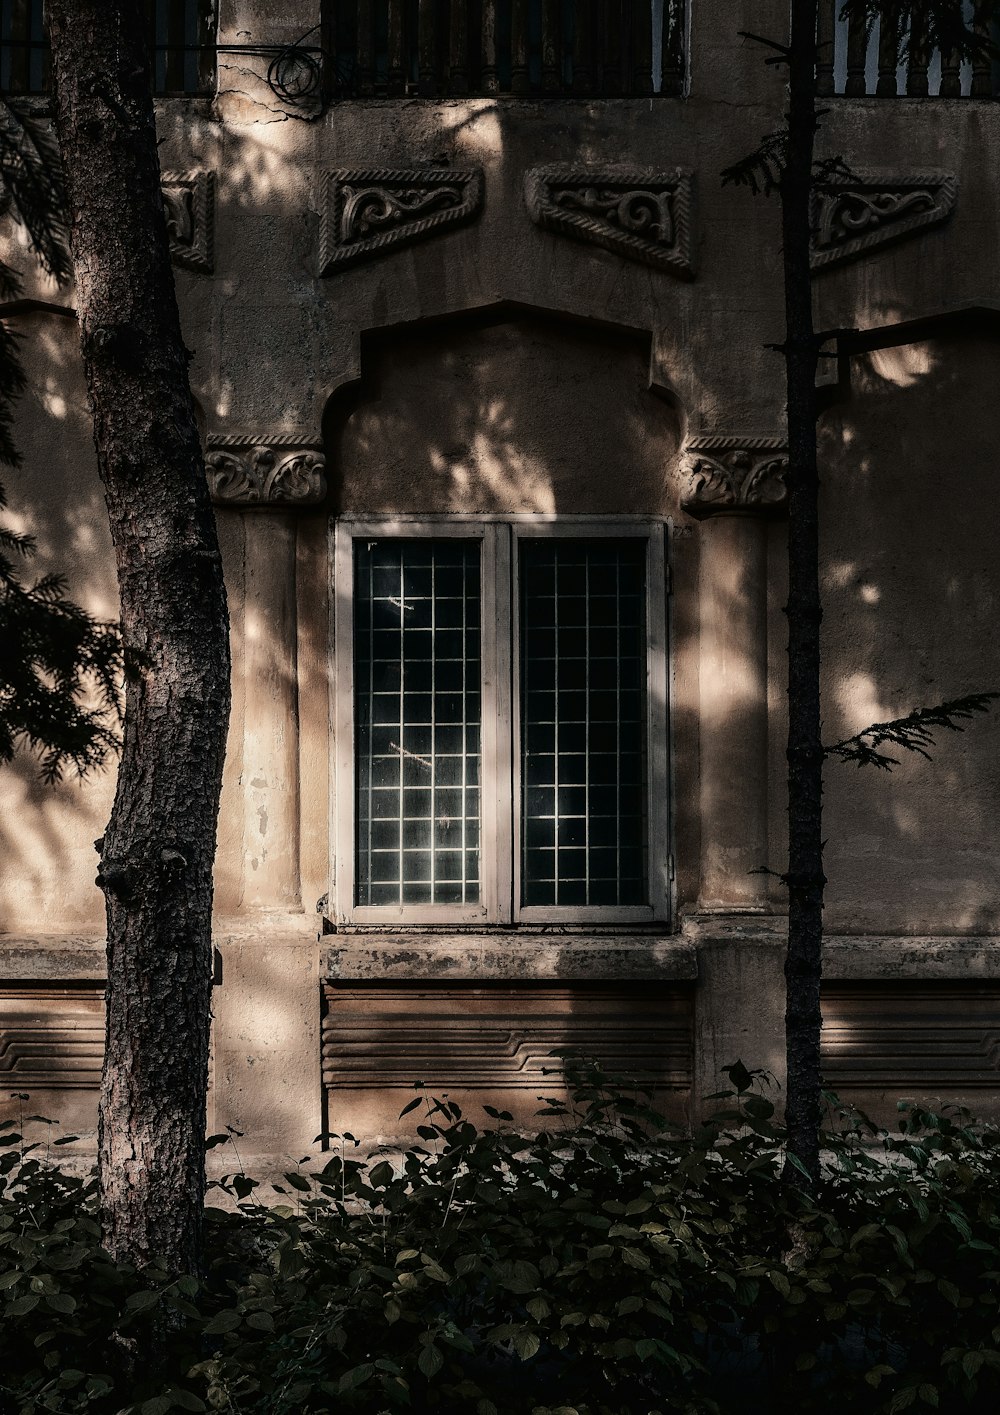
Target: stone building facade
<point>497,447</point>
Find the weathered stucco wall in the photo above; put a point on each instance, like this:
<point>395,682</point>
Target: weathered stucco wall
<point>498,367</point>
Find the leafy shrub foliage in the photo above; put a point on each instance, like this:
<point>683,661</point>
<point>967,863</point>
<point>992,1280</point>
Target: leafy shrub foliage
<point>610,1266</point>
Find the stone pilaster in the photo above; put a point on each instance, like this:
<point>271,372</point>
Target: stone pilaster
<point>732,484</point>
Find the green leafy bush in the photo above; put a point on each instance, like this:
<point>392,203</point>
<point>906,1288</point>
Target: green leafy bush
<point>609,1266</point>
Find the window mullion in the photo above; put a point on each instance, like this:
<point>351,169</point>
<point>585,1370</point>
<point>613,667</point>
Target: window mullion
<point>502,790</point>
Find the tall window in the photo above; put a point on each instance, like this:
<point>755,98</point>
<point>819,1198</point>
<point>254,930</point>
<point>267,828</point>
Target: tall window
<point>501,722</point>
<point>182,38</point>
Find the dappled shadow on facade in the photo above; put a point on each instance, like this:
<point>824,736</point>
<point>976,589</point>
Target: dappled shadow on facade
<point>912,590</point>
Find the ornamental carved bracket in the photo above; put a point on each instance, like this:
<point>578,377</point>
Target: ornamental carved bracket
<point>189,204</point>
<point>368,211</point>
<point>635,212</point>
<point>854,214</point>
<point>735,476</point>
<point>273,472</point>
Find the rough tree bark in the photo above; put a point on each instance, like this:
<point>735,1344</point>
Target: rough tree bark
<point>805,878</point>
<point>156,856</point>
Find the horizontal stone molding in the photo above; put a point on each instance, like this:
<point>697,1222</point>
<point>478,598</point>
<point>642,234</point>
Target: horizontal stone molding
<point>480,958</point>
<point>886,1041</point>
<point>641,213</point>
<point>857,212</point>
<point>495,1039</point>
<point>745,476</point>
<point>51,1038</point>
<point>369,211</point>
<point>269,472</point>
<point>189,205</point>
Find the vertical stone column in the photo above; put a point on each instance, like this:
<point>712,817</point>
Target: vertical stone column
<point>273,475</point>
<point>732,485</point>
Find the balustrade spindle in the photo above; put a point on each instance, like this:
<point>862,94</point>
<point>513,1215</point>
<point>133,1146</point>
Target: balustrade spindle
<point>888,61</point>
<point>982,70</point>
<point>519,48</point>
<point>611,55</point>
<point>365,68</point>
<point>488,80</point>
<point>459,48</point>
<point>951,75</point>
<point>427,86</point>
<point>396,77</point>
<point>583,47</point>
<point>824,47</point>
<point>642,47</point>
<point>551,46</point>
<point>917,59</point>
<point>857,53</point>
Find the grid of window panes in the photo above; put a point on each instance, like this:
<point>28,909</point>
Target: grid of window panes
<point>583,674</point>
<point>417,667</point>
<point>182,37</point>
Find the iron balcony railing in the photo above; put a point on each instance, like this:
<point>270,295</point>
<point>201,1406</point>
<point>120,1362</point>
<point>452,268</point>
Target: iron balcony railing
<point>517,48</point>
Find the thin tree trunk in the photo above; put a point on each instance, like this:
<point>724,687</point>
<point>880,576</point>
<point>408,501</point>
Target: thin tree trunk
<point>803,963</point>
<point>157,853</point>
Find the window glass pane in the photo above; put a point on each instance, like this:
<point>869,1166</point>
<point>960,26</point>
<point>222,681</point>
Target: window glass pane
<point>583,733</point>
<point>417,717</point>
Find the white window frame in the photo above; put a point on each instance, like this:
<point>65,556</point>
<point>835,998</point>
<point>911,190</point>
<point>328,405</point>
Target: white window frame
<point>500,763</point>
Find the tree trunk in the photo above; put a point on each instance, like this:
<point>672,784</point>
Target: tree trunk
<point>157,853</point>
<point>803,963</point>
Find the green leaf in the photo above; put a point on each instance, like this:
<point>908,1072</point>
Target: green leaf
<point>780,1282</point>
<point>226,1320</point>
<point>22,1305</point>
<point>430,1360</point>
<point>949,1291</point>
<point>972,1363</point>
<point>299,1181</point>
<point>526,1343</point>
<point>261,1321</point>
<point>185,1400</point>
<point>538,1308</point>
<point>61,1302</point>
<point>141,1301</point>
<point>928,1394</point>
<point>159,1405</point>
<point>902,1400</point>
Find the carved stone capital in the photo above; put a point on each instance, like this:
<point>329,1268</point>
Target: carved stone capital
<point>735,476</point>
<point>189,203</point>
<point>852,214</point>
<point>367,211</point>
<point>269,472</point>
<point>635,212</point>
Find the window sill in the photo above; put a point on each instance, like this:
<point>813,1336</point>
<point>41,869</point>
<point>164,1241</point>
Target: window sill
<point>511,956</point>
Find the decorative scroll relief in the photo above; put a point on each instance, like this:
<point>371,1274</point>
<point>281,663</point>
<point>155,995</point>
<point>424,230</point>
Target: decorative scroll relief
<point>274,471</point>
<point>635,212</point>
<point>189,203</point>
<point>367,211</point>
<point>853,215</point>
<point>735,476</point>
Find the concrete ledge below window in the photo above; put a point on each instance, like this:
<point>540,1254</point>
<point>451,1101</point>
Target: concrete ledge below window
<point>514,956</point>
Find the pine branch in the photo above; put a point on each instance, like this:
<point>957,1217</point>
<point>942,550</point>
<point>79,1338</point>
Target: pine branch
<point>31,171</point>
<point>913,733</point>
